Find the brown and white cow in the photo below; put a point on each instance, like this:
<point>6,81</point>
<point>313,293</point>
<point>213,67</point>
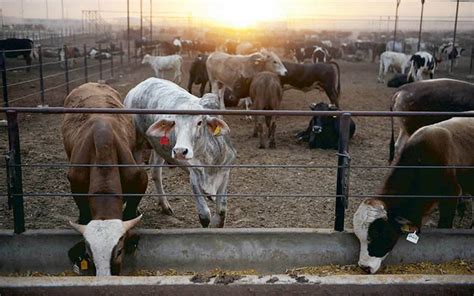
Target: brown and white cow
<point>378,223</point>
<point>224,69</point>
<point>102,139</point>
<point>430,95</point>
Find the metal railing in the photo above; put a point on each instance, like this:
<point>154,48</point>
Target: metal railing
<point>14,164</point>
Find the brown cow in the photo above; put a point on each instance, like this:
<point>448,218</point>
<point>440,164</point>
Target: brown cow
<point>378,223</point>
<point>106,140</point>
<point>432,95</point>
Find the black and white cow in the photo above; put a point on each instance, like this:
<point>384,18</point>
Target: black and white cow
<point>422,62</point>
<point>19,47</point>
<point>323,131</point>
<point>320,54</point>
<point>449,52</point>
<point>198,73</point>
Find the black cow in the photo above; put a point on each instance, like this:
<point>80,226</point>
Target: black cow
<point>398,80</point>
<point>323,131</point>
<point>307,77</point>
<point>198,74</point>
<point>19,47</point>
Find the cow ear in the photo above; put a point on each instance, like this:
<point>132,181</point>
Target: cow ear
<point>217,126</point>
<point>160,128</point>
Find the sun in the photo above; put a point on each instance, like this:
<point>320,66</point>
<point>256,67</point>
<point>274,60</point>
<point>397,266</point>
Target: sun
<point>244,13</point>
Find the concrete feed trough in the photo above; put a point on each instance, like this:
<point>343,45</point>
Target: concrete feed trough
<point>268,251</point>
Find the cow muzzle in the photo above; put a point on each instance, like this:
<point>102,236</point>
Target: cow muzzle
<point>317,129</point>
<point>182,153</point>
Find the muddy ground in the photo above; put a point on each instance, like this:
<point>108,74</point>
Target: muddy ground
<point>41,143</point>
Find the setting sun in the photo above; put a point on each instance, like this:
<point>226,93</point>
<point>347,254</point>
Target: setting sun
<point>244,13</point>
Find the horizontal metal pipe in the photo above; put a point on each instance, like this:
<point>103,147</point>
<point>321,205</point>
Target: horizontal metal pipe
<point>61,110</point>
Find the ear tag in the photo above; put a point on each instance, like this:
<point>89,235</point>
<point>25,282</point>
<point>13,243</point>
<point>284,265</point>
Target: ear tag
<point>217,131</point>
<point>164,140</point>
<point>413,238</point>
<point>84,264</point>
<point>405,228</point>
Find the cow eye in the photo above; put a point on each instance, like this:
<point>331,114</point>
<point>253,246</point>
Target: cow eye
<point>274,62</point>
<point>200,123</point>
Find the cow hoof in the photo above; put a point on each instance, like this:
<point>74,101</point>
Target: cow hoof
<point>261,147</point>
<point>167,211</point>
<point>217,222</point>
<point>204,221</point>
<point>248,117</point>
<point>272,146</point>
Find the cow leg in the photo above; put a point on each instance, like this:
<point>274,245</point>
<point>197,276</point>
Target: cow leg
<point>177,77</point>
<point>137,184</point>
<point>447,211</point>
<point>400,142</point>
<point>259,119</point>
<point>271,126</point>
<point>156,173</point>
<point>28,62</point>
<point>203,88</point>
<point>218,220</point>
<point>204,213</point>
<point>220,94</point>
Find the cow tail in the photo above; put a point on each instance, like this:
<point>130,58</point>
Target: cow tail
<point>392,137</point>
<point>33,53</point>
<point>338,80</point>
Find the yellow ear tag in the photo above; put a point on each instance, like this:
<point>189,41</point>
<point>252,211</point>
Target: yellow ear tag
<point>406,228</point>
<point>84,264</point>
<point>217,131</point>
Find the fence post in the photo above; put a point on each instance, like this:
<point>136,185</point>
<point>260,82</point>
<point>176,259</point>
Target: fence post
<point>112,65</point>
<point>86,79</point>
<point>3,65</point>
<point>66,69</point>
<point>472,57</point>
<point>40,53</point>
<point>15,181</point>
<point>100,61</point>
<point>343,163</point>
<point>121,55</point>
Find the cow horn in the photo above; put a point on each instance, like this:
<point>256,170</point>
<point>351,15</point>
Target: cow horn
<point>131,223</point>
<point>78,227</point>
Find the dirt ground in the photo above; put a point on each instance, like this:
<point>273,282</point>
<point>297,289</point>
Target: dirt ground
<point>41,143</point>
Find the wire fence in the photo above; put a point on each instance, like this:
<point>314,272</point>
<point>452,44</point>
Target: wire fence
<point>344,168</point>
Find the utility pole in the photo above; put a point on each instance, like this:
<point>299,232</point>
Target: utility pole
<point>454,37</point>
<point>421,23</point>
<point>396,24</point>
<point>47,10</point>
<point>128,29</point>
<point>141,20</point>
<point>22,8</point>
<point>151,20</point>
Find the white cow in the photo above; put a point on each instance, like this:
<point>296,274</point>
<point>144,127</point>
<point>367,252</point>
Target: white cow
<point>161,64</point>
<point>185,140</point>
<point>396,60</point>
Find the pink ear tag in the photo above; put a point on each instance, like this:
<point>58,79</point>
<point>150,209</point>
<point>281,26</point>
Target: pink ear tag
<point>164,140</point>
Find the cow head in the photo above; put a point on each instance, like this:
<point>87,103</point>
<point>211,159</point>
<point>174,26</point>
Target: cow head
<point>376,233</point>
<point>320,122</point>
<point>273,63</point>
<point>146,59</point>
<point>188,130</point>
<point>104,240</point>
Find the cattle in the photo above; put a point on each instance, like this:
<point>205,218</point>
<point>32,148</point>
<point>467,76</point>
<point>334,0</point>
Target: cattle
<point>94,53</point>
<point>304,54</point>
<point>394,46</point>
<point>198,73</point>
<point>101,139</point>
<point>446,95</point>
<point>188,47</point>
<point>245,48</point>
<point>395,60</point>
<point>231,46</point>
<point>162,64</point>
<point>379,222</point>
<point>178,46</point>
<point>204,47</point>
<point>323,131</point>
<point>19,47</point>
<point>320,54</point>
<point>224,69</point>
<point>306,77</point>
<point>377,50</point>
<point>398,80</point>
<point>266,94</point>
<point>71,53</point>
<point>185,140</point>
<point>421,62</point>
<point>448,53</point>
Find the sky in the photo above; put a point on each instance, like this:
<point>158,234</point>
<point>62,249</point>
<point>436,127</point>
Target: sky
<point>241,12</point>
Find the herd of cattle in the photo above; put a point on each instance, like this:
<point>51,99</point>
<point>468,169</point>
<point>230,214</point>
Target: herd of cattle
<point>199,143</point>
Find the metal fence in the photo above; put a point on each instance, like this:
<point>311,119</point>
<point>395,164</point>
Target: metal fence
<point>14,164</point>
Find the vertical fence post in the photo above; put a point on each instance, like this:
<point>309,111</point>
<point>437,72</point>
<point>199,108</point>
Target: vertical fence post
<point>100,61</point>
<point>121,55</point>
<point>15,175</point>
<point>343,163</point>
<point>3,65</point>
<point>40,57</point>
<point>135,56</point>
<point>111,65</point>
<point>86,79</point>
<point>472,57</point>
<point>66,69</point>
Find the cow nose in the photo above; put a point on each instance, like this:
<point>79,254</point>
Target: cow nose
<point>180,153</point>
<point>365,268</point>
<point>317,129</point>
<point>285,73</point>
